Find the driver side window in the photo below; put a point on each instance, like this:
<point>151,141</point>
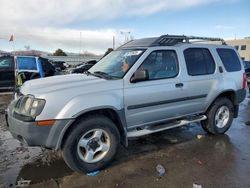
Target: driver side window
<point>161,64</point>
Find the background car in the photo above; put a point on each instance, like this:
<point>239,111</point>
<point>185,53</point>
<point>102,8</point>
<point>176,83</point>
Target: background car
<point>247,70</point>
<point>59,65</point>
<point>83,67</point>
<point>26,66</point>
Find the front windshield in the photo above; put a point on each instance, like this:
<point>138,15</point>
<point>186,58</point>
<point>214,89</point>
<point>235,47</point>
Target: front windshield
<point>117,63</point>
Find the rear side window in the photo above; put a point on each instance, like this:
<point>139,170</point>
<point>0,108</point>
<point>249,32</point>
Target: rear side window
<point>199,61</point>
<point>229,59</point>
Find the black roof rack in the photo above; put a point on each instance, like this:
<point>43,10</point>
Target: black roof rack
<point>168,40</point>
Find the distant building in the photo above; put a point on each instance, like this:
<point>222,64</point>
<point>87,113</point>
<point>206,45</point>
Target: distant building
<point>243,47</point>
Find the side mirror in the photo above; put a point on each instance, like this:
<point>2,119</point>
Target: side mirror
<point>139,75</point>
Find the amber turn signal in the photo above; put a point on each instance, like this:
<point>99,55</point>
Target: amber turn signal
<point>46,122</point>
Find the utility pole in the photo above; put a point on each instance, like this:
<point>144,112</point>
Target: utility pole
<point>113,42</point>
<point>80,50</point>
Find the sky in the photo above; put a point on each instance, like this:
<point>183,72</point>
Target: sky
<point>90,25</point>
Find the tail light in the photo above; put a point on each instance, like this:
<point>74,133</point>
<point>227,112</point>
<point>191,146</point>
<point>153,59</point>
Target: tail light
<point>244,84</point>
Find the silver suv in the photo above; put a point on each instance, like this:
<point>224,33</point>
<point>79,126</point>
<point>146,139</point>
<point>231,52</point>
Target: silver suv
<point>145,86</point>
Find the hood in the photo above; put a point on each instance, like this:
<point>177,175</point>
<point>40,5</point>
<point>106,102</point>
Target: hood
<point>73,82</point>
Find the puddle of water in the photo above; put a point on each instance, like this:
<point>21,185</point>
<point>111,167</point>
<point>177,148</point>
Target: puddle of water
<point>13,155</point>
<point>39,171</point>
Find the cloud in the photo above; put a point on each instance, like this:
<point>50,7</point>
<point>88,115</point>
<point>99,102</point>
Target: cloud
<point>45,22</point>
<point>60,12</point>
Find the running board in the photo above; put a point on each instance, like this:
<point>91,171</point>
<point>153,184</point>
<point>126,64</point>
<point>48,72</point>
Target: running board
<point>157,128</point>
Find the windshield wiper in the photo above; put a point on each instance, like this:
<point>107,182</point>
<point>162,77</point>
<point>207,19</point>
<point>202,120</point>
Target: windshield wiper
<point>87,73</point>
<point>92,74</point>
<point>103,75</point>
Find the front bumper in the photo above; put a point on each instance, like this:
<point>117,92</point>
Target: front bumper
<point>31,134</point>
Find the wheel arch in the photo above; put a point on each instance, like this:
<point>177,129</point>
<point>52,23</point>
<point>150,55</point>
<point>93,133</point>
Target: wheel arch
<point>117,116</point>
<point>231,95</point>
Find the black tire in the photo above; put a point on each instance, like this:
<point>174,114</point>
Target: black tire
<point>89,123</point>
<point>209,125</point>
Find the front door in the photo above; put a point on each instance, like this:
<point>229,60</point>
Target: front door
<point>161,96</point>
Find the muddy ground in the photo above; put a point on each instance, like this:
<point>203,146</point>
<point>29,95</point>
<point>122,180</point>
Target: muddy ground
<point>210,161</point>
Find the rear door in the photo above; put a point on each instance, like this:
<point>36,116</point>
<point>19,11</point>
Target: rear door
<point>7,74</point>
<point>201,81</point>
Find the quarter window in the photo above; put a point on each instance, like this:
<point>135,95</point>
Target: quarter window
<point>229,59</point>
<point>161,64</point>
<point>199,61</point>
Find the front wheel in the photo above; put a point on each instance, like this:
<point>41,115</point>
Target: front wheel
<point>91,144</point>
<point>219,117</point>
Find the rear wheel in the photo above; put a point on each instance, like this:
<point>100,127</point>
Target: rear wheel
<point>219,117</point>
<point>92,144</point>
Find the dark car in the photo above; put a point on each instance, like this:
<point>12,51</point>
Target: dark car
<point>247,70</point>
<point>26,66</point>
<point>84,67</point>
<point>60,65</point>
<point>7,73</point>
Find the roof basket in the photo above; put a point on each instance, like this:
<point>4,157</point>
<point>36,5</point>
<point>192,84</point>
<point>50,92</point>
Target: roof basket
<point>170,40</point>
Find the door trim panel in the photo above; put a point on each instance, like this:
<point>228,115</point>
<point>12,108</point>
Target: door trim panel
<point>144,105</point>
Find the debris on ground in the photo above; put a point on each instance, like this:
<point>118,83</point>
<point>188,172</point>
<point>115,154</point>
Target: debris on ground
<point>161,170</point>
<point>95,173</point>
<point>200,162</point>
<point>21,149</point>
<point>172,140</point>
<point>199,136</point>
<point>195,185</point>
<point>23,183</point>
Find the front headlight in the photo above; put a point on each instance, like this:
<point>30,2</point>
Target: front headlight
<point>30,106</point>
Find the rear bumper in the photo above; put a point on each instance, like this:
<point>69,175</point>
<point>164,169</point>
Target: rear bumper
<point>31,134</point>
<point>240,95</point>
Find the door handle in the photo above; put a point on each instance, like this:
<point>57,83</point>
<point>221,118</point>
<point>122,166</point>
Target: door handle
<point>179,85</point>
<point>220,69</point>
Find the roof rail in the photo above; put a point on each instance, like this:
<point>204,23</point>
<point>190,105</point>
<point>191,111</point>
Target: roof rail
<point>170,40</point>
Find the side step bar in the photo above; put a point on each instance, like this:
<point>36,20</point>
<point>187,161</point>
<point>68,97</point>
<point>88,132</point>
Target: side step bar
<point>157,128</point>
